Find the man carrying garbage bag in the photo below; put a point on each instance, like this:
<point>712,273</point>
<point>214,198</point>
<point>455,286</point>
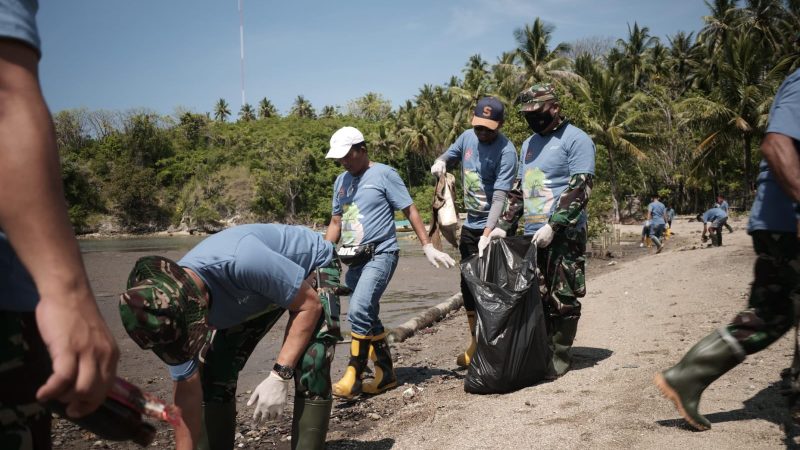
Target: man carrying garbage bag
<point>204,315</point>
<point>556,171</point>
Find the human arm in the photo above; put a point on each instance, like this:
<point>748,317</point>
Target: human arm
<point>435,257</point>
<point>188,396</point>
<point>34,217</point>
<point>574,201</point>
<point>781,155</point>
<point>334,231</point>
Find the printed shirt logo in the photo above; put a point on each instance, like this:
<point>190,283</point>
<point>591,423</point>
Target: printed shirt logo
<point>468,154</point>
<point>352,228</point>
<point>537,196</point>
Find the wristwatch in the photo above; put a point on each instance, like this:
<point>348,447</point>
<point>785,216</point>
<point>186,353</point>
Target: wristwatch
<point>285,372</point>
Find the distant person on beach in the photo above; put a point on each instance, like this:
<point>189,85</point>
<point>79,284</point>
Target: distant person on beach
<point>557,172</point>
<point>365,197</point>
<point>713,221</point>
<point>657,215</point>
<point>771,306</point>
<point>205,314</point>
<point>723,205</point>
<point>488,162</point>
<point>670,216</point>
<point>645,233</point>
<point>54,344</point>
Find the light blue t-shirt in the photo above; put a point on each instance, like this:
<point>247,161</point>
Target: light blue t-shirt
<point>367,204</point>
<point>546,165</point>
<point>250,270</point>
<point>670,214</point>
<point>723,206</point>
<point>714,215</point>
<point>484,169</point>
<point>657,210</point>
<point>772,209</point>
<point>17,289</point>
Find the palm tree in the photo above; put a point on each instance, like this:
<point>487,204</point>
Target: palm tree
<point>633,61</point>
<point>683,54</point>
<point>266,109</point>
<point>371,106</point>
<point>328,111</point>
<point>221,110</point>
<point>533,50</point>
<point>246,114</point>
<point>302,108</point>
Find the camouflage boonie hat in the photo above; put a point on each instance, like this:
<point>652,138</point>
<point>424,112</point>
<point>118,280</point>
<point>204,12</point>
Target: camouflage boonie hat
<point>165,311</point>
<point>535,96</point>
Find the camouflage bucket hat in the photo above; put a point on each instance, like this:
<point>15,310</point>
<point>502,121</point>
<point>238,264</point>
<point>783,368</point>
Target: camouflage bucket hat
<point>165,311</point>
<point>535,96</point>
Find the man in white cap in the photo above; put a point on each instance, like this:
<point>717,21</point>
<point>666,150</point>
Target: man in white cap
<point>489,167</point>
<point>365,198</point>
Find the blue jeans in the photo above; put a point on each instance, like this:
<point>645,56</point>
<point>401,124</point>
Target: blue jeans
<point>368,281</point>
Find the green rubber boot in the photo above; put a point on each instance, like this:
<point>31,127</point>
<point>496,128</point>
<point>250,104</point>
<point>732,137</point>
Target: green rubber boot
<point>564,330</point>
<point>219,426</point>
<point>310,423</point>
<point>685,382</point>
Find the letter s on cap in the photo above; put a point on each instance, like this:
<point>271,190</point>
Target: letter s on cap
<point>487,111</point>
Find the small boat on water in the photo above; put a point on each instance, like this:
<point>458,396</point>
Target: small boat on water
<point>402,225</point>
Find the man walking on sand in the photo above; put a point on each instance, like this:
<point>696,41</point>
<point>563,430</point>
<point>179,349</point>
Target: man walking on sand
<point>774,292</point>
<point>723,205</point>
<point>488,168</point>
<point>365,198</point>
<point>657,215</point>
<point>556,172</point>
<point>204,315</point>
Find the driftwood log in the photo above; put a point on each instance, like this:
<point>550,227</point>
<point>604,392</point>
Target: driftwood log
<point>425,319</point>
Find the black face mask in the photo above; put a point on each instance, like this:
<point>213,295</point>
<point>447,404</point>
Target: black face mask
<point>538,121</point>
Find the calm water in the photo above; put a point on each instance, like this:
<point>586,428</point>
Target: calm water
<point>415,286</point>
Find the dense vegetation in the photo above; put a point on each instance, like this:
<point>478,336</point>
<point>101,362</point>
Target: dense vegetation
<point>682,117</point>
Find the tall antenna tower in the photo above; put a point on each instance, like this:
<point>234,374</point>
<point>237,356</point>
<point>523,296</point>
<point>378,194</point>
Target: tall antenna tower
<point>241,46</point>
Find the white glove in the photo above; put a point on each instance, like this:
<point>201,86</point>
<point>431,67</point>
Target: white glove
<point>497,233</point>
<point>482,244</point>
<point>269,397</point>
<point>435,257</point>
<point>647,223</point>
<point>438,168</point>
<point>543,236</point>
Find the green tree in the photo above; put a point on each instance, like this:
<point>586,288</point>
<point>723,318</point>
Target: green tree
<point>371,106</point>
<point>302,108</point>
<point>266,109</point>
<point>221,110</point>
<point>246,113</point>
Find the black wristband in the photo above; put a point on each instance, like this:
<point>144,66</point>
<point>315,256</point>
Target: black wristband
<point>285,372</point>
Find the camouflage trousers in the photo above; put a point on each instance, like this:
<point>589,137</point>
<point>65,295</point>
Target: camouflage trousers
<point>562,274</point>
<point>232,347</point>
<point>774,295</point>
<point>24,367</point>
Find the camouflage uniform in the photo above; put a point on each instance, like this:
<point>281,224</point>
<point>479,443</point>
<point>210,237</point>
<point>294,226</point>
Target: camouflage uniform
<point>24,366</point>
<point>231,347</point>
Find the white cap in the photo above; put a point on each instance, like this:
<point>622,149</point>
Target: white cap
<point>342,140</point>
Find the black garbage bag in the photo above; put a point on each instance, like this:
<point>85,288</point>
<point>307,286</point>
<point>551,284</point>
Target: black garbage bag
<point>512,350</point>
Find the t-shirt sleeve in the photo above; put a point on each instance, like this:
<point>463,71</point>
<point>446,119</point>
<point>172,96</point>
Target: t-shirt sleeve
<point>183,371</point>
<point>266,272</point>
<point>396,191</point>
<point>336,206</point>
<point>18,22</point>
<point>522,152</point>
<point>784,117</point>
<point>507,169</point>
<point>581,155</point>
<point>455,151</point>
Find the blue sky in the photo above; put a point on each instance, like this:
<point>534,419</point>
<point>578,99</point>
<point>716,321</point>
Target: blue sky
<point>168,54</point>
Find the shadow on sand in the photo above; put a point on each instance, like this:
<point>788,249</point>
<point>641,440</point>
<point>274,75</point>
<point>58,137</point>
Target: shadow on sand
<point>585,357</point>
<point>351,444</point>
<point>768,404</point>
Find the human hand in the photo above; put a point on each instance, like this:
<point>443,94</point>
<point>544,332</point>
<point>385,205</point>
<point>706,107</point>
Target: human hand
<point>543,236</point>
<point>82,349</point>
<point>438,168</point>
<point>483,242</point>
<point>497,233</point>
<point>435,257</point>
<point>269,397</point>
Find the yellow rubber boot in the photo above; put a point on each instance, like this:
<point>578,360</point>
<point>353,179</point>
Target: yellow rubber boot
<point>464,358</point>
<point>384,372</point>
<point>350,385</point>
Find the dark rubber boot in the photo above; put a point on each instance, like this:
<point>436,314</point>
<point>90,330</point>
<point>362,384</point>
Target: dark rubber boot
<point>350,385</point>
<point>564,330</point>
<point>685,382</point>
<point>464,358</point>
<point>219,426</point>
<point>384,372</point>
<point>310,423</point>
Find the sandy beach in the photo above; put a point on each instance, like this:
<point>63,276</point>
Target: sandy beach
<point>641,313</point>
